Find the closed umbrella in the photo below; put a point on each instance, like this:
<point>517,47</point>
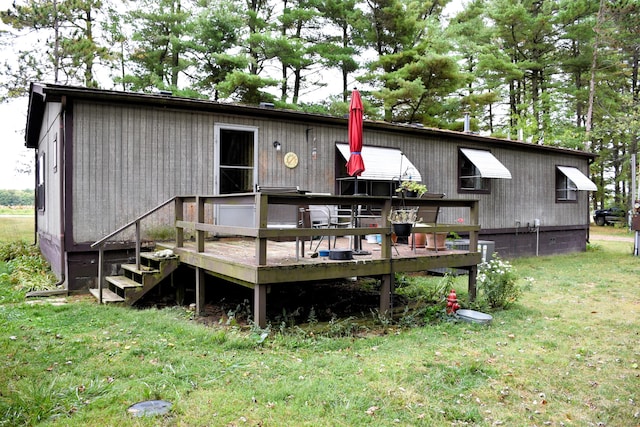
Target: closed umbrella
<point>355,164</point>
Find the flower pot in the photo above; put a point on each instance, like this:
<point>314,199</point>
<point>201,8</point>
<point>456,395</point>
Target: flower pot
<point>402,229</point>
<point>419,239</point>
<point>436,241</point>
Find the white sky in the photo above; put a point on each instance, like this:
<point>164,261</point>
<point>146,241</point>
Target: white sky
<point>13,118</point>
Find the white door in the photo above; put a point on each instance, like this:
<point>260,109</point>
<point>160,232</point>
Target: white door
<point>236,151</point>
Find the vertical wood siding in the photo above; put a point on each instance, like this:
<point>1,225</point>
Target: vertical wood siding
<point>49,218</point>
<point>128,159</point>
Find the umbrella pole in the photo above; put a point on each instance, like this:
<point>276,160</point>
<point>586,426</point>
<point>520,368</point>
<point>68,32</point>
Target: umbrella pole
<point>357,240</point>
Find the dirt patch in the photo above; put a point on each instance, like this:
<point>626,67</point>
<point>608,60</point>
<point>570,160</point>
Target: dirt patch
<point>609,237</point>
<point>300,303</point>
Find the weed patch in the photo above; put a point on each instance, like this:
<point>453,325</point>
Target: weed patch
<point>22,270</point>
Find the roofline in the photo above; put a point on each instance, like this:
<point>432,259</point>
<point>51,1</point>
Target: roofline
<point>40,93</point>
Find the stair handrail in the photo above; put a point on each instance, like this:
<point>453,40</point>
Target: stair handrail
<point>130,223</point>
<point>136,222</point>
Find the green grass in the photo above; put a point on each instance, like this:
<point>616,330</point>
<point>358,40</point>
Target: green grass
<point>17,210</point>
<point>17,228</point>
<point>567,353</point>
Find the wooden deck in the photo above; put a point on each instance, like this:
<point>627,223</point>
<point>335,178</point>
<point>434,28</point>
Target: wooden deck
<point>258,261</point>
<point>257,257</point>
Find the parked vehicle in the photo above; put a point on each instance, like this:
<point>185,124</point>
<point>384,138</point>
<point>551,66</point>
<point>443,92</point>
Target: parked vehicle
<point>609,216</point>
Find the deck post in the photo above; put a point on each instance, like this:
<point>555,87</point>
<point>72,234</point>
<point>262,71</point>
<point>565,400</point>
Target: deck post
<point>100,272</point>
<point>138,243</point>
<point>200,220</point>
<point>179,216</point>
<point>385,293</point>
<point>385,247</point>
<point>199,291</point>
<point>260,305</point>
<point>262,208</point>
<point>474,214</point>
<point>473,272</point>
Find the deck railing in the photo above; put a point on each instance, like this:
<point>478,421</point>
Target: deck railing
<point>262,232</point>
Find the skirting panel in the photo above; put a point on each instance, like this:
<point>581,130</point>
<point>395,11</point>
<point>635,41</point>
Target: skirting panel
<point>544,242</point>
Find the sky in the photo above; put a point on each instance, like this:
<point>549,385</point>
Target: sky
<point>13,119</point>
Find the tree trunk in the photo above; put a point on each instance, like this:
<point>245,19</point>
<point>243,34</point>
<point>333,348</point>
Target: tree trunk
<point>592,80</point>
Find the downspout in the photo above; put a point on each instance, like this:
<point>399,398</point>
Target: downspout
<point>61,173</point>
<point>35,200</point>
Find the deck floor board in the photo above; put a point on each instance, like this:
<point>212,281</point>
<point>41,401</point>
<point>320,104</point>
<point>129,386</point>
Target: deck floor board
<point>236,258</point>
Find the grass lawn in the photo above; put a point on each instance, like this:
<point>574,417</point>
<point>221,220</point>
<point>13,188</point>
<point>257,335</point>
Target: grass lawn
<point>16,228</point>
<point>17,210</point>
<point>567,353</point>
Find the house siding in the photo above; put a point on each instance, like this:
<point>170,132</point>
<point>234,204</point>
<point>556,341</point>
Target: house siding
<point>49,219</point>
<point>129,159</point>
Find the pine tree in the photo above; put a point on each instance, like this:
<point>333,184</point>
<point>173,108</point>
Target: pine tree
<point>66,33</point>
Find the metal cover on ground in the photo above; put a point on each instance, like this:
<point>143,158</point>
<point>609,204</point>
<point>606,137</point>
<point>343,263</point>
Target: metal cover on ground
<point>474,316</point>
<point>149,407</point>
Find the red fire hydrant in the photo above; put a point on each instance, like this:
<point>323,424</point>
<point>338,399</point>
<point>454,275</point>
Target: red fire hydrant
<point>452,302</point>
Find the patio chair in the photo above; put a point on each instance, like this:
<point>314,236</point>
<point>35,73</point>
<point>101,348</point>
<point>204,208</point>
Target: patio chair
<point>320,217</point>
<point>428,215</point>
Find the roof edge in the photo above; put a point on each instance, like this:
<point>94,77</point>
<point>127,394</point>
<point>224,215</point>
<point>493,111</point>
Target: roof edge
<point>40,91</point>
<point>35,113</point>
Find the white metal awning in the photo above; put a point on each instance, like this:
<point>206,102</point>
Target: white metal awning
<point>487,164</point>
<point>581,181</point>
<point>383,164</point>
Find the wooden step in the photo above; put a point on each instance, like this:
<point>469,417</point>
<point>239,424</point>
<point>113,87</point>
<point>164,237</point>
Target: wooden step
<point>153,257</point>
<point>123,282</point>
<point>143,269</point>
<point>107,295</point>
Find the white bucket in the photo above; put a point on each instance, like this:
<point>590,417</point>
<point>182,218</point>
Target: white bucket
<point>371,238</point>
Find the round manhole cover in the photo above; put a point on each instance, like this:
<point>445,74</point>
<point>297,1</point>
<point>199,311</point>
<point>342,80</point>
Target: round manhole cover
<point>149,407</point>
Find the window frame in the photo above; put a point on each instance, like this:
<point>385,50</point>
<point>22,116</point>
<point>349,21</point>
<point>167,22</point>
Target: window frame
<point>567,186</point>
<point>41,182</point>
<point>485,182</point>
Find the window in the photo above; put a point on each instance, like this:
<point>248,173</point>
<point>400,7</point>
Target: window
<point>470,178</point>
<point>476,168</point>
<point>40,173</point>
<point>570,180</point>
<point>566,190</point>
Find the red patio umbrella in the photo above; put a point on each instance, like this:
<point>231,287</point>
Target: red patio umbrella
<point>355,164</point>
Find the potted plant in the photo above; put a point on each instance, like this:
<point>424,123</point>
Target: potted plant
<point>412,188</point>
<point>402,220</point>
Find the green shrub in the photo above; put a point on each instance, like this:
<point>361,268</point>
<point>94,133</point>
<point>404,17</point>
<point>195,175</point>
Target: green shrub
<point>497,282</point>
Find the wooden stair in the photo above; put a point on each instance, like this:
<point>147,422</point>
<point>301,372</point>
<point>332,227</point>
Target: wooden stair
<point>134,283</point>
